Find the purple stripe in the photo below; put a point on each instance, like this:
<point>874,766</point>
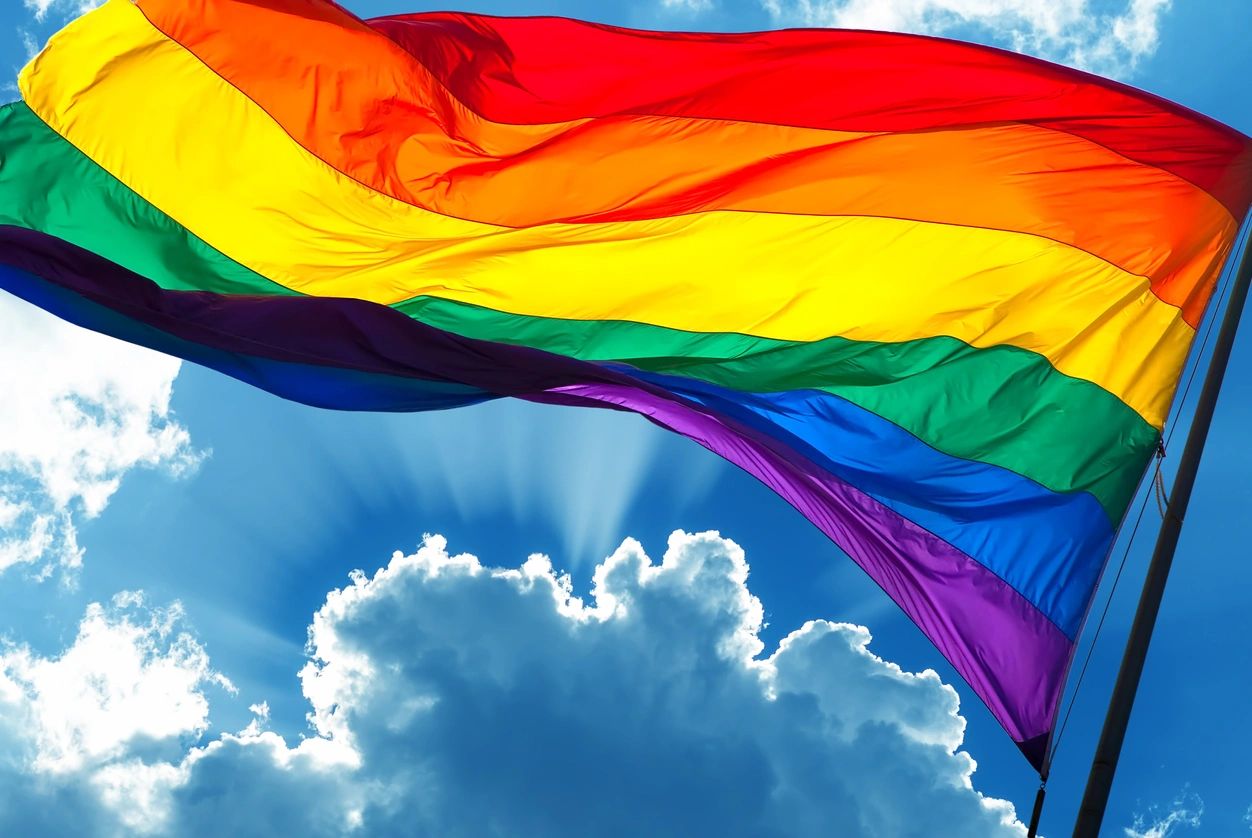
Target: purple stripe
<point>1012,656</point>
<point>1010,653</point>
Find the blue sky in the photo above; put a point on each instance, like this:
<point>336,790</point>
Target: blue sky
<point>167,537</point>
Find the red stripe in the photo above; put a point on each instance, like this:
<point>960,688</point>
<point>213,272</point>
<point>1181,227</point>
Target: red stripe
<point>540,69</point>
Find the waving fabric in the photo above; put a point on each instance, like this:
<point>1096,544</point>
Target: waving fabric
<point>935,295</point>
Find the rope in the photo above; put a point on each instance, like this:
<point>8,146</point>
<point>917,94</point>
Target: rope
<point>1158,483</point>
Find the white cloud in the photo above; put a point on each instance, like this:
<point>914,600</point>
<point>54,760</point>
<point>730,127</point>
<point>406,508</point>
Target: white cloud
<point>131,674</point>
<point>688,6</point>
<point>29,46</point>
<point>1081,33</point>
<point>1184,812</point>
<point>91,740</point>
<point>63,8</point>
<point>82,410</point>
<point>136,794</point>
<point>452,699</point>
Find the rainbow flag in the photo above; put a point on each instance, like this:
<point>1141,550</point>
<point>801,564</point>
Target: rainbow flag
<point>935,295</point>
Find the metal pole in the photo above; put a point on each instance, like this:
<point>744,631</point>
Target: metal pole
<point>1037,812</point>
<point>1100,780</point>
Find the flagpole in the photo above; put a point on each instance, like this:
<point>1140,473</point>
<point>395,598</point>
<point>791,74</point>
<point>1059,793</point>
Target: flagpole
<point>1104,764</point>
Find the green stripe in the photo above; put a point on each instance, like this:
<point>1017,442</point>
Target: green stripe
<point>1004,406</point>
<point>1000,405</point>
<point>47,184</point>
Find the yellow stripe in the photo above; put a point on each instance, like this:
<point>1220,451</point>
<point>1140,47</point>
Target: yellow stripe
<point>171,129</point>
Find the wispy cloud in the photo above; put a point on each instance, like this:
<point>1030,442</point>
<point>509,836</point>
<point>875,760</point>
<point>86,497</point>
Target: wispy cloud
<point>42,9</point>
<point>1184,812</point>
<point>449,698</point>
<point>688,6</point>
<point>1107,38</point>
<point>29,45</point>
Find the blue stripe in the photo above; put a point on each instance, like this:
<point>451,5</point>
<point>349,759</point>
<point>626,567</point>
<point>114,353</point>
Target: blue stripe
<point>1049,546</point>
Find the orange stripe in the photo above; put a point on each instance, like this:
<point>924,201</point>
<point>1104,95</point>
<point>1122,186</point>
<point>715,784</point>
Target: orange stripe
<point>366,107</point>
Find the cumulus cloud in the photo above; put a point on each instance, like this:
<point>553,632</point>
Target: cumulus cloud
<point>76,728</point>
<point>122,680</point>
<point>1184,812</point>
<point>1105,38</point>
<point>448,698</point>
<point>82,411</point>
